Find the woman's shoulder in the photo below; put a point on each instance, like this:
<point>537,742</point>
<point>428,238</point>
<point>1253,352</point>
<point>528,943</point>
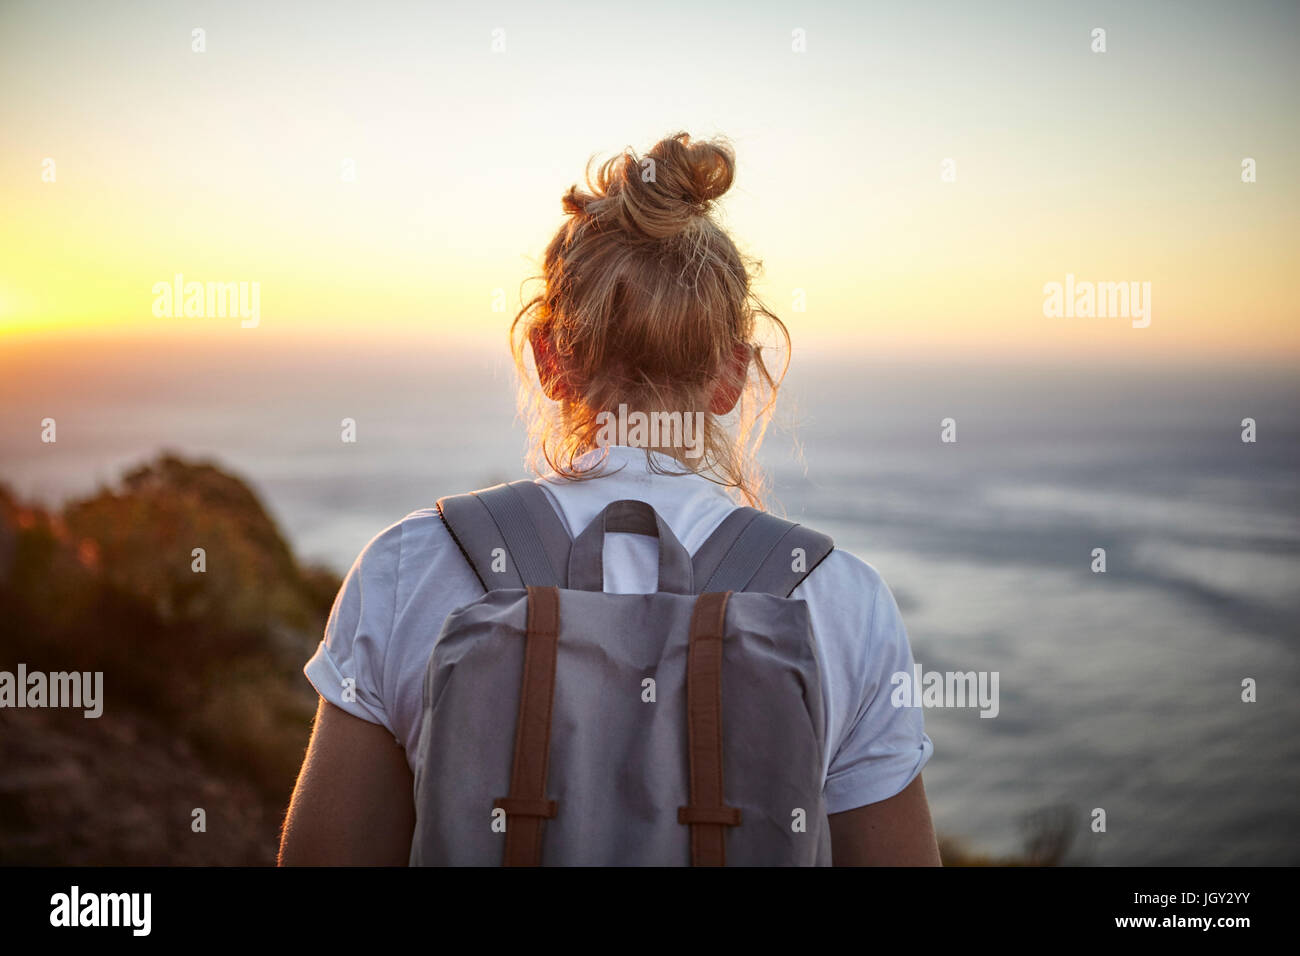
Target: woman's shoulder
<point>849,590</point>
<point>417,528</point>
<point>420,539</point>
<point>846,566</point>
<point>404,551</point>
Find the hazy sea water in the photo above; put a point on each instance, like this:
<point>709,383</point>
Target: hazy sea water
<point>1118,690</point>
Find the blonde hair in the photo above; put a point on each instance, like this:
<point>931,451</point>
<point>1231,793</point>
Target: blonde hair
<point>647,303</point>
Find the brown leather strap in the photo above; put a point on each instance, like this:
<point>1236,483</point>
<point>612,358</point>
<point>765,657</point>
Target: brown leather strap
<point>707,815</point>
<point>526,806</point>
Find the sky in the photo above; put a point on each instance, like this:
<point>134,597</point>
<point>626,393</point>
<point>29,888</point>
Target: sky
<point>227,165</point>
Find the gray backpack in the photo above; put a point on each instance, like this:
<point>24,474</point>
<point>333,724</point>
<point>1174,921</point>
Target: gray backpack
<point>566,726</point>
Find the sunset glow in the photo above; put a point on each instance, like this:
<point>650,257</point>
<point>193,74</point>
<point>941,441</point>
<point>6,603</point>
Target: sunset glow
<point>233,165</point>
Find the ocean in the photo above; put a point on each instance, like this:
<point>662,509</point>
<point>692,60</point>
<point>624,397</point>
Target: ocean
<point>1119,691</point>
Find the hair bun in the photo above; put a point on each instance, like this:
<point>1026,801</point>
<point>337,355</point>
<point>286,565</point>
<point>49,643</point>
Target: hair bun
<point>662,193</point>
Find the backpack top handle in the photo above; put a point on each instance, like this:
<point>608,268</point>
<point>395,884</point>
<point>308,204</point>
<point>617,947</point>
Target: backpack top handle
<point>586,561</point>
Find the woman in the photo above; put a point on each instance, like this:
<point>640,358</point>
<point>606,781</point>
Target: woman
<point>646,307</point>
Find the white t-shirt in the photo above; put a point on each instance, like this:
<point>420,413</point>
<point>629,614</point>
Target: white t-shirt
<point>407,580</point>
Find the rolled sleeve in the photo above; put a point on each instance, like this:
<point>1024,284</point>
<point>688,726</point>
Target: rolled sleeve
<point>347,668</point>
<point>886,746</point>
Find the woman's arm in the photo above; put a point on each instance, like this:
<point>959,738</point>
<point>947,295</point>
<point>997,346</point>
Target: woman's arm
<point>353,804</point>
<point>893,832</point>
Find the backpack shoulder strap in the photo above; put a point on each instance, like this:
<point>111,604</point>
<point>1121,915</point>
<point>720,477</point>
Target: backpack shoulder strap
<point>515,519</point>
<point>755,551</point>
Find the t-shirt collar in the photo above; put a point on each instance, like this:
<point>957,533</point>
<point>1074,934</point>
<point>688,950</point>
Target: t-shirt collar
<point>627,459</point>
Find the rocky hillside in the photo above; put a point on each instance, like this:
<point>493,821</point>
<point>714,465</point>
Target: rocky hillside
<point>205,706</point>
